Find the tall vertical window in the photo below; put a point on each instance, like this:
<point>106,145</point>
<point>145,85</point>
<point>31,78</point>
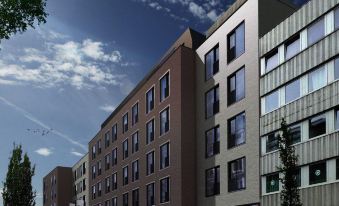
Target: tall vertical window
<point>272,142</point>
<point>150,100</point>
<point>115,201</point>
<point>292,47</point>
<point>107,161</point>
<point>99,167</point>
<point>107,203</point>
<point>150,131</point>
<point>236,42</point>
<point>93,192</point>
<point>336,68</point>
<point>337,163</point>
<point>212,63</point>
<point>164,87</point>
<point>114,156</point>
<point>99,189</point>
<point>316,31</point>
<point>114,132</point>
<point>150,163</point>
<point>336,18</point>
<point>295,132</point>
<point>236,175</point>
<point>272,102</point>
<point>125,175</point>
<point>93,172</point>
<point>317,173</point>
<point>236,87</point>
<point>213,181</point>
<point>125,149</point>
<point>125,123</point>
<point>107,139</point>
<point>125,199</point>
<point>272,183</point>
<point>237,130</point>
<point>107,185</point>
<point>135,142</point>
<point>135,197</point>
<point>271,61</point>
<point>164,121</point>
<point>150,195</point>
<point>317,79</point>
<point>317,126</point>
<point>292,91</point>
<point>114,181</point>
<point>212,102</point>
<point>93,151</point>
<point>135,114</point>
<point>164,156</point>
<point>213,142</point>
<point>99,146</point>
<point>297,176</point>
<point>164,190</point>
<point>135,170</point>
<point>337,119</point>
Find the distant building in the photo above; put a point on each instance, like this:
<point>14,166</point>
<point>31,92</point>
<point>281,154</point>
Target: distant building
<point>80,182</point>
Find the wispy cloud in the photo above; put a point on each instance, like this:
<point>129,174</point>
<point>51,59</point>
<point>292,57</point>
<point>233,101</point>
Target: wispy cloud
<point>78,154</point>
<point>44,152</point>
<point>107,108</point>
<point>32,118</point>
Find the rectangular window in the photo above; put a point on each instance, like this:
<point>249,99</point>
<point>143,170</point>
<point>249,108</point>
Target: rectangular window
<point>295,132</point>
<point>93,192</point>
<point>114,132</point>
<point>212,63</point>
<point>107,161</point>
<point>292,47</point>
<point>150,163</point>
<point>125,176</point>
<point>150,100</point>
<point>272,102</point>
<point>337,119</point>
<point>213,181</point>
<point>114,181</point>
<point>297,176</point>
<point>107,139</point>
<point>93,152</point>
<point>115,201</point>
<point>272,183</point>
<point>99,146</point>
<point>135,114</point>
<point>236,87</point>
<point>271,61</point>
<point>125,149</point>
<point>236,175</point>
<point>107,185</point>
<point>316,31</point>
<point>93,172</point>
<point>107,203</point>
<point>317,126</point>
<point>115,156</point>
<point>164,121</point>
<point>292,91</point>
<point>237,130</point>
<point>212,102</point>
<point>135,142</point>
<point>164,190</point>
<point>164,156</point>
<point>135,170</point>
<point>317,173</point>
<point>164,87</point>
<point>150,131</point>
<point>99,189</point>
<point>135,197</point>
<point>272,143</point>
<point>337,169</point>
<point>236,43</point>
<point>99,168</point>
<point>125,123</point>
<point>336,69</point>
<point>150,195</point>
<point>336,18</point>
<point>317,79</point>
<point>125,199</point>
<point>212,142</point>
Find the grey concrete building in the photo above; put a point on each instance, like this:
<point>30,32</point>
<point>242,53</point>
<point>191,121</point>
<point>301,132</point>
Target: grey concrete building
<point>80,182</point>
<point>299,82</point>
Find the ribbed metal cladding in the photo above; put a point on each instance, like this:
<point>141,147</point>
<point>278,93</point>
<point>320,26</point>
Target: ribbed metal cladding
<point>322,195</point>
<point>304,61</point>
<point>311,151</point>
<point>314,103</point>
<point>293,24</point>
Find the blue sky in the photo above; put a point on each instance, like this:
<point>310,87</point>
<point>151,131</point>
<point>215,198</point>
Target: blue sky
<point>59,82</point>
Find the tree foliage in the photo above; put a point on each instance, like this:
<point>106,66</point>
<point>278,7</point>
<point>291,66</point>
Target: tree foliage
<point>17,188</point>
<point>17,15</point>
<point>290,193</point>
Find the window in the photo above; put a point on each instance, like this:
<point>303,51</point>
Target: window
<point>297,176</point>
<point>115,201</point>
<point>99,168</point>
<point>84,168</point>
<point>316,31</point>
<point>107,203</point>
<point>236,130</point>
<point>272,102</point>
<point>99,146</point>
<point>107,185</point>
<point>212,142</point>
<point>213,181</point>
<point>164,121</point>
<point>135,170</point>
<point>336,18</point>
<point>292,47</point>
<point>93,152</point>
<point>317,173</point>
<point>125,123</point>
<point>114,132</point>
<point>272,143</point>
<point>125,149</point>
<point>150,131</point>
<point>236,175</point>
<point>272,183</point>
<point>164,87</point>
<point>150,100</point>
<point>150,163</point>
<point>236,43</point>
<point>107,139</point>
<point>107,161</point>
<point>135,197</point>
<point>236,87</point>
<point>125,176</point>
<point>212,63</point>
<point>125,199</point>
<point>337,119</point>
<point>317,126</point>
<point>99,189</point>
<point>337,169</point>
<point>114,156</point>
<point>164,190</point>
<point>164,156</point>
<point>135,142</point>
<point>114,181</point>
<point>295,132</point>
<point>336,68</point>
<point>93,172</point>
<point>212,102</point>
<point>292,91</point>
<point>93,192</point>
<point>150,195</point>
<point>317,79</point>
<point>271,61</point>
<point>135,114</point>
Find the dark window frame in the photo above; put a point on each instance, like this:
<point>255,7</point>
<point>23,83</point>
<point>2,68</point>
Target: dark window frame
<point>166,162</point>
<point>114,156</point>
<point>230,57</point>
<point>150,166</point>
<point>216,141</point>
<point>166,78</point>
<point>150,138</point>
<point>150,106</point>
<point>114,132</point>
<point>167,194</point>
<point>216,186</point>
<point>215,69</point>
<point>125,152</point>
<point>124,199</point>
<point>274,52</point>
<point>315,132</point>
<point>231,187</point>
<point>135,171</point>
<point>313,168</point>
<point>216,103</point>
<point>135,197</point>
<point>229,128</point>
<point>229,92</point>
<point>150,198</point>
<point>135,113</point>
<point>125,126</point>
<point>125,178</point>
<point>273,189</point>
<point>135,144</point>
<point>290,42</point>
<point>165,130</point>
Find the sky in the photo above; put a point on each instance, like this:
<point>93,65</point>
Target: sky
<point>59,82</point>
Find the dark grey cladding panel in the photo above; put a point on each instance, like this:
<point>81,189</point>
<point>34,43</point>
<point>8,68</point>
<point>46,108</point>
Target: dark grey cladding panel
<point>293,24</point>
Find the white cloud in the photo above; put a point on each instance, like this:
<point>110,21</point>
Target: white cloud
<point>44,152</point>
<point>197,10</point>
<point>107,108</point>
<point>212,15</point>
<point>78,154</point>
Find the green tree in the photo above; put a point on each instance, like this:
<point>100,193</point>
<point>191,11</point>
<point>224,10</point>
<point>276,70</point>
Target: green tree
<point>17,15</point>
<point>17,188</point>
<point>290,194</point>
